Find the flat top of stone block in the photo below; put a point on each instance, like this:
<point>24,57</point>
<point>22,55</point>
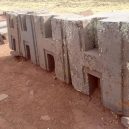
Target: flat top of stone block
<point>116,19</point>
<point>41,11</point>
<point>110,15</point>
<point>12,13</point>
<point>72,17</point>
<point>19,12</point>
<point>27,12</point>
<point>101,15</point>
<point>46,14</point>
<point>75,17</point>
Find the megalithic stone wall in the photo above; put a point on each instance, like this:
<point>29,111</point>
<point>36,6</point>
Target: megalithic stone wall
<point>110,49</point>
<point>114,54</point>
<point>85,51</point>
<point>79,38</point>
<point>43,33</point>
<point>28,44</point>
<point>13,32</point>
<point>59,36</point>
<point>62,70</point>
<point>42,29</point>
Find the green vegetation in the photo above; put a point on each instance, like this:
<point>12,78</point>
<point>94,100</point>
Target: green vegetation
<point>75,6</point>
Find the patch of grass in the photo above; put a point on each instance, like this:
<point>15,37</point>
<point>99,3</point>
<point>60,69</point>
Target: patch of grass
<point>73,6</point>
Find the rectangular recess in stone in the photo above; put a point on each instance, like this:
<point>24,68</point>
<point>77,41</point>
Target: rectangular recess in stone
<point>49,61</point>
<point>28,55</point>
<point>11,22</point>
<point>24,26</point>
<point>45,24</point>
<point>13,41</point>
<point>94,82</point>
<point>27,50</point>
<point>57,31</point>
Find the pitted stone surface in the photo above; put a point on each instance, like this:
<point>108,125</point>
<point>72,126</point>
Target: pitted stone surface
<point>86,50</point>
<point>125,121</point>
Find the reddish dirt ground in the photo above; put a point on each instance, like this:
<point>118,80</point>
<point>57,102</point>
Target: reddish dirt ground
<point>36,100</point>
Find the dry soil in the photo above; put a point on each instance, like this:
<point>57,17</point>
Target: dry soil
<point>37,100</point>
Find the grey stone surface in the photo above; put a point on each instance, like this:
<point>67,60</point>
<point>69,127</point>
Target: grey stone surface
<point>85,51</point>
<point>125,121</point>
<point>80,40</point>
<point>109,40</point>
<point>115,69</point>
<point>59,36</point>
<point>27,37</point>
<point>125,66</point>
<point>48,44</point>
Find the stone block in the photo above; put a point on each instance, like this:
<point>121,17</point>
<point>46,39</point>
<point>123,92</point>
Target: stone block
<point>109,40</point>
<point>27,37</point>
<point>125,121</point>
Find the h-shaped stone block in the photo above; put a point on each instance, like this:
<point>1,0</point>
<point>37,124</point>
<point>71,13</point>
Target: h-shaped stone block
<point>98,64</point>
<point>51,51</point>
<point>13,32</point>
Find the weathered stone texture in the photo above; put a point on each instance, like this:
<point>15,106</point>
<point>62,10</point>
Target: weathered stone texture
<point>125,66</point>
<point>13,32</point>
<point>43,39</point>
<point>85,51</point>
<point>111,54</point>
<point>27,37</point>
<point>62,56</point>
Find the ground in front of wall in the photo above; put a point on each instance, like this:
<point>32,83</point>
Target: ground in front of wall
<point>34,99</point>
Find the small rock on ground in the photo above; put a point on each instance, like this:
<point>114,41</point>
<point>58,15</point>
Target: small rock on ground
<point>45,118</point>
<point>3,96</point>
